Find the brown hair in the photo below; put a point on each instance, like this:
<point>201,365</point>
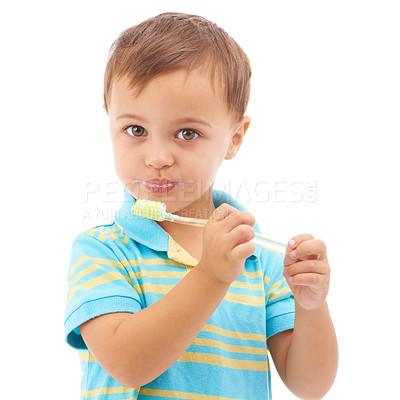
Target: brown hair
<point>174,41</point>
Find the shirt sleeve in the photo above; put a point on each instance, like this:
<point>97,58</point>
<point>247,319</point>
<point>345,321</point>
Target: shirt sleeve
<point>98,283</point>
<point>279,300</point>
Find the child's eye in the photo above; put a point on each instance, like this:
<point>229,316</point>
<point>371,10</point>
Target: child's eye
<point>135,130</point>
<point>188,134</point>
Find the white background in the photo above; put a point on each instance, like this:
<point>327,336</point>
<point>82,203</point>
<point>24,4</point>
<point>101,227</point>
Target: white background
<point>323,141</point>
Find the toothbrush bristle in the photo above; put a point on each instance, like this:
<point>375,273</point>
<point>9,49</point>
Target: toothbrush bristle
<point>150,209</point>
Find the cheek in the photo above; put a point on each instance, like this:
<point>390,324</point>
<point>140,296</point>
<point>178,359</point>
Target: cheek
<point>124,152</point>
<point>207,164</point>
<point>125,162</point>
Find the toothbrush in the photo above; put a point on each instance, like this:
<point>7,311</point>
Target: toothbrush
<point>156,210</point>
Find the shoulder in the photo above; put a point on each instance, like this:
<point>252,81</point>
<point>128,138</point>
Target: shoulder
<point>105,241</point>
<point>103,233</point>
<point>101,236</point>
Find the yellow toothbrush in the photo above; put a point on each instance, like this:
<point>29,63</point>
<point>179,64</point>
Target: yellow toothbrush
<point>156,210</point>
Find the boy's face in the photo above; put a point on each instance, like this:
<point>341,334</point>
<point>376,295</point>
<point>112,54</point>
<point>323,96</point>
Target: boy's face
<point>169,141</point>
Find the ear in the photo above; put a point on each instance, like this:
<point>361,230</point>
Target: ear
<point>239,131</point>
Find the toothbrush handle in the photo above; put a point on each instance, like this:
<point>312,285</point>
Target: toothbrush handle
<point>185,220</point>
<point>259,239</point>
<point>269,244</point>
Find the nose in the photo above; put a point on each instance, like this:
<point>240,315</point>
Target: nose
<point>158,154</point>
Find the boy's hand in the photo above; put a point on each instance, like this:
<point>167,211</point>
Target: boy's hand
<point>226,243</point>
<point>307,271</point>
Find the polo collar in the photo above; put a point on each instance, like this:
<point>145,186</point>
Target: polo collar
<point>149,233</point>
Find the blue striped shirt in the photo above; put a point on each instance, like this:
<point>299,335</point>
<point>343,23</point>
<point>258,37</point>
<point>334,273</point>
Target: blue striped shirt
<point>131,263</point>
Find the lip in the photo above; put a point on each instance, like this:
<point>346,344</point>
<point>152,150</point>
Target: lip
<point>159,182</point>
<point>159,185</point>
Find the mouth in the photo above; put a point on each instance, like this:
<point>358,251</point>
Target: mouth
<point>159,185</point>
<point>159,182</point>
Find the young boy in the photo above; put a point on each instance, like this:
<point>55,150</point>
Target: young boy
<point>165,310</point>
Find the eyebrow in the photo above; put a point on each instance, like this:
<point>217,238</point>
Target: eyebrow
<point>196,120</point>
<point>179,121</point>
<point>132,116</point>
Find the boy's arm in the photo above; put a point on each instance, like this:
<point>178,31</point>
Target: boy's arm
<point>306,358</point>
<point>137,348</point>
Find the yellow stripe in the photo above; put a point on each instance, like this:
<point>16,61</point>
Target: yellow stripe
<point>121,236</point>
<point>86,356</point>
<point>245,299</point>
<point>234,334</point>
<point>77,264</point>
<point>279,293</point>
<point>215,359</point>
<point>252,275</point>
<point>247,285</point>
<point>103,235</point>
<point>107,390</point>
<point>275,286</point>
<point>156,288</point>
<point>92,231</point>
<point>86,271</point>
<point>154,261</point>
<point>125,239</point>
<point>115,229</point>
<point>181,395</point>
<point>266,279</point>
<point>137,288</point>
<point>229,347</point>
<point>115,236</point>
<point>97,260</point>
<point>99,280</point>
<point>160,274</point>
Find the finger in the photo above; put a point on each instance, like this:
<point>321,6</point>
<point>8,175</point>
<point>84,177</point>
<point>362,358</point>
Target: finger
<point>295,241</point>
<point>314,281</point>
<point>233,217</point>
<point>241,234</point>
<point>310,249</point>
<point>309,266</point>
<point>237,218</point>
<point>291,253</point>
<point>222,212</point>
<point>243,251</point>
